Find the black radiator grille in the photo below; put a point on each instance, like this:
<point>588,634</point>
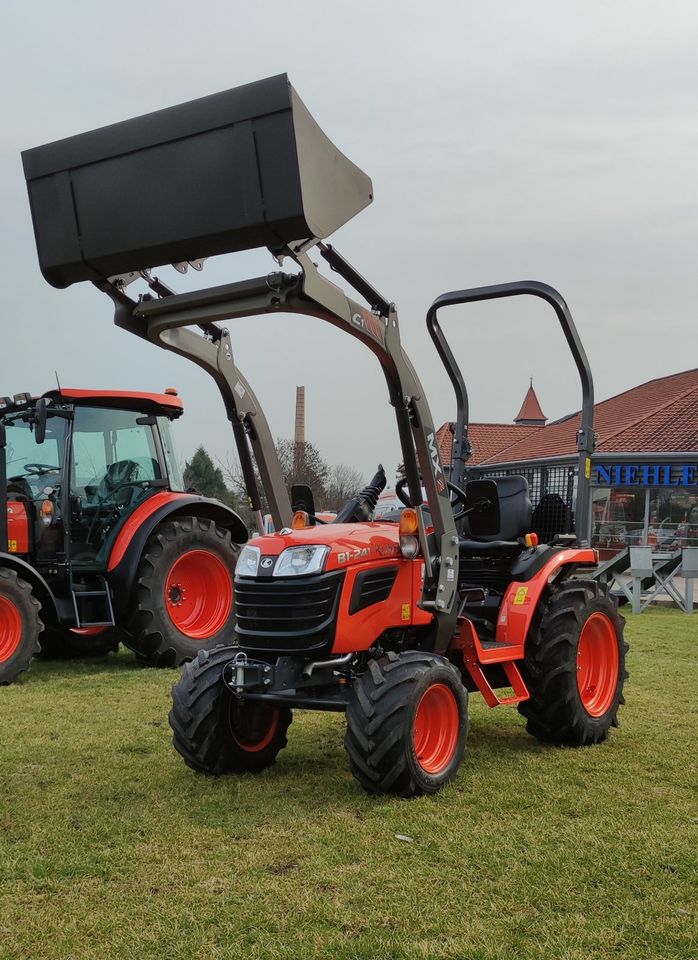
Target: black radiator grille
<point>287,613</point>
<point>372,586</point>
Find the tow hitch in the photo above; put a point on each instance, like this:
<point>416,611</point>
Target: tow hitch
<point>315,685</point>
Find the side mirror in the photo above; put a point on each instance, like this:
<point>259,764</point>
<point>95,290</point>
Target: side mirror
<point>40,421</point>
<point>482,504</point>
<point>302,499</point>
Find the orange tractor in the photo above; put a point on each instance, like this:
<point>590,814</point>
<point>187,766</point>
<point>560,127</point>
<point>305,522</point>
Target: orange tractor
<point>99,542</point>
<point>393,622</point>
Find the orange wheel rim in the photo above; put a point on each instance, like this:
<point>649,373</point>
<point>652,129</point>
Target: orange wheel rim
<point>436,726</point>
<point>199,594</point>
<point>254,729</point>
<point>10,629</point>
<point>597,664</point>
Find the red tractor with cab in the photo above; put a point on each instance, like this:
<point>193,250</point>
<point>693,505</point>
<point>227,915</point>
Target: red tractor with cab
<point>103,544</point>
<point>393,622</point>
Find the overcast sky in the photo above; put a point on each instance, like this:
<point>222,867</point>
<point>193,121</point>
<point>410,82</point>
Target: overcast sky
<point>512,140</point>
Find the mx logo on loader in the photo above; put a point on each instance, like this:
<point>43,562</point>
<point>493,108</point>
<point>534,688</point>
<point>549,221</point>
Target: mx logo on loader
<point>436,463</point>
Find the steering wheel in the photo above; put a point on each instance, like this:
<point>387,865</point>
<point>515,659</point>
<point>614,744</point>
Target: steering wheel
<point>458,497</point>
<point>106,515</point>
<point>37,469</point>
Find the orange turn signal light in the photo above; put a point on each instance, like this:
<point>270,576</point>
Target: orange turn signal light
<point>171,391</point>
<point>46,512</point>
<point>300,521</point>
<point>408,522</point>
<point>531,539</point>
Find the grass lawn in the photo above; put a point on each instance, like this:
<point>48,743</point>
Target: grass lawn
<point>111,848</point>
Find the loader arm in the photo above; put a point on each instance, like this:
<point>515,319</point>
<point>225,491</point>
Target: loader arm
<point>165,321</point>
<point>211,349</point>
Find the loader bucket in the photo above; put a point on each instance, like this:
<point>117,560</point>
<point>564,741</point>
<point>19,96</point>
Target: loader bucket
<point>248,167</point>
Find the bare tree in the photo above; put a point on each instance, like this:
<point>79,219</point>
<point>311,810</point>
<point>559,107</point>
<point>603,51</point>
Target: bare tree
<point>343,483</point>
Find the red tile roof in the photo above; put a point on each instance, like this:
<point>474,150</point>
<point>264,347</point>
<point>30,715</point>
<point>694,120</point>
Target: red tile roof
<point>488,439</point>
<point>657,417</point>
<point>530,408</point>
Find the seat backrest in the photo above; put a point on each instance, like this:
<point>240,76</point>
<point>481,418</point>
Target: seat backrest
<point>514,511</point>
<point>118,473</point>
<point>551,517</point>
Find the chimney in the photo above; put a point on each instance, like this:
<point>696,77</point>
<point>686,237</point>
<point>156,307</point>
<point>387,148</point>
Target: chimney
<point>299,436</point>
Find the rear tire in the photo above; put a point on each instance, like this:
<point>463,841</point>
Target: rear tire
<point>20,625</point>
<point>214,732</point>
<point>575,666</point>
<point>183,598</point>
<point>407,724</point>
<point>63,644</point>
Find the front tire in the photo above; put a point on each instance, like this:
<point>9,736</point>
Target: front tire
<point>575,667</point>
<point>184,592</point>
<point>20,625</point>
<point>407,724</point>
<point>214,732</point>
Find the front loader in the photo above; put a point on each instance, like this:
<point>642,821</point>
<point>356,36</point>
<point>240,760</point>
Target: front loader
<point>391,622</point>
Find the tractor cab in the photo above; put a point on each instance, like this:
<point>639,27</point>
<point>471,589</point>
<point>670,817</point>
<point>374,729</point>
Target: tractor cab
<point>78,463</point>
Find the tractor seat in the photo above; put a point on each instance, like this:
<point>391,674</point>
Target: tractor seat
<point>514,522</point>
<point>118,474</point>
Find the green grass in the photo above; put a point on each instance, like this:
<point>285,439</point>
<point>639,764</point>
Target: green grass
<point>111,848</point>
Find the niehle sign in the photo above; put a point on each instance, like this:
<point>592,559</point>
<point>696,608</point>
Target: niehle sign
<point>645,475</point>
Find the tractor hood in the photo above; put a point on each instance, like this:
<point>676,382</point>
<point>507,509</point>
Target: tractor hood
<point>349,543</point>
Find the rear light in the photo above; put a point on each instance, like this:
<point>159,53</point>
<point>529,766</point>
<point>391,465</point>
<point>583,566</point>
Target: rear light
<point>46,512</point>
<point>409,534</point>
<point>531,539</point>
<point>300,520</point>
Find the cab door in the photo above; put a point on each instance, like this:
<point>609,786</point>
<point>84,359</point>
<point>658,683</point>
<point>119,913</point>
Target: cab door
<point>115,464</point>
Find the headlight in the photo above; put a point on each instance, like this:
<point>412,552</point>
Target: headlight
<point>301,561</point>
<point>248,561</point>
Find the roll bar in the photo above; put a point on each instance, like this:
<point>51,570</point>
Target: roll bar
<point>586,437</point>
<point>164,319</point>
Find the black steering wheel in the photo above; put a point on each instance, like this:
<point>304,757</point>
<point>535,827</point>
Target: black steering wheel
<point>37,469</point>
<point>107,510</point>
<point>458,497</point>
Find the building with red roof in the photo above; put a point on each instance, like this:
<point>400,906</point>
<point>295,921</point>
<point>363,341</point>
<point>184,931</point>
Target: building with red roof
<point>644,473</point>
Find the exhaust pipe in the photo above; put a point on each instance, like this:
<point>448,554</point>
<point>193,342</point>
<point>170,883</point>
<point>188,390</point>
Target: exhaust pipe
<point>342,661</point>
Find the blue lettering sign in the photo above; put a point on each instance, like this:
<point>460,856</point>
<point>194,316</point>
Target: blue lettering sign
<point>646,474</point>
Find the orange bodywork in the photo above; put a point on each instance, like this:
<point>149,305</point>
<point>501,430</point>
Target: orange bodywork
<point>136,520</point>
<point>168,400</point>
<point>17,527</point>
<point>521,599</point>
<point>358,548</point>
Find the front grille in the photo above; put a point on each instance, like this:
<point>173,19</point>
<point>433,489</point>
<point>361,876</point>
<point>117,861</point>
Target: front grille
<point>287,614</point>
